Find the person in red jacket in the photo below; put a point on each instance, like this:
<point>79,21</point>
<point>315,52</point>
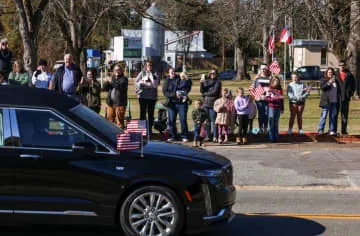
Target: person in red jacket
<point>275,99</point>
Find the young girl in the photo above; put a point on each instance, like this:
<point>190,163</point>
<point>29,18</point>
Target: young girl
<point>275,99</point>
<point>297,93</point>
<point>241,106</point>
<point>224,107</point>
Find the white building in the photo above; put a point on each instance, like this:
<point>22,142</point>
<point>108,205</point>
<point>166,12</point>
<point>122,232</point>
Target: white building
<point>127,47</point>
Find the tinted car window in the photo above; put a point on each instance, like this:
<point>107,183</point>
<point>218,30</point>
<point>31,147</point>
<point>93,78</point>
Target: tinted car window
<point>44,129</point>
<point>96,121</point>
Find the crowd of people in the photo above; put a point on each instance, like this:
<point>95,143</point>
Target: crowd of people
<point>214,116</point>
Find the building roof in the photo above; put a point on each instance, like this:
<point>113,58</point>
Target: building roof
<point>197,44</point>
<point>309,43</point>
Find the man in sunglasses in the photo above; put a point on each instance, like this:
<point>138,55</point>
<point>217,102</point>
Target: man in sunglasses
<point>5,58</point>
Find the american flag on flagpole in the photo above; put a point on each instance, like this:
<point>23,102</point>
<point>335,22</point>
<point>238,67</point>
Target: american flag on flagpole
<point>286,36</point>
<point>271,44</point>
<point>129,141</point>
<point>256,92</point>
<point>274,67</point>
<point>137,126</point>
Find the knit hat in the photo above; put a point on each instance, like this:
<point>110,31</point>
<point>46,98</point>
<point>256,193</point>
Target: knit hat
<point>42,62</point>
<point>4,40</point>
<point>264,67</point>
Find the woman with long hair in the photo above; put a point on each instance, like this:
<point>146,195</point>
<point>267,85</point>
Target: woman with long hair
<point>275,99</point>
<point>329,86</point>
<point>19,76</point>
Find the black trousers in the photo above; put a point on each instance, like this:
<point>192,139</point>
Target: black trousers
<point>343,109</point>
<point>243,125</point>
<point>147,106</point>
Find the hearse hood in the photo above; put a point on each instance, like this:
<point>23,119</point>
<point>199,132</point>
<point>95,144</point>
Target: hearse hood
<point>185,152</point>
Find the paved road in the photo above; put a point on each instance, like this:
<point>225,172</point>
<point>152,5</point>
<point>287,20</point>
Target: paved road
<point>291,190</point>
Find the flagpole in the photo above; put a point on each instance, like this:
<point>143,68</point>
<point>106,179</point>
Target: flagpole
<point>285,60</point>
<point>273,52</point>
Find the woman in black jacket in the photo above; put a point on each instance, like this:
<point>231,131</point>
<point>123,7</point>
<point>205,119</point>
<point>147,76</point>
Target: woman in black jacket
<point>330,97</point>
<point>210,90</point>
<point>117,87</point>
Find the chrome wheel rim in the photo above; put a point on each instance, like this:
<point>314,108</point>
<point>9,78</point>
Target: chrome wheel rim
<point>153,214</point>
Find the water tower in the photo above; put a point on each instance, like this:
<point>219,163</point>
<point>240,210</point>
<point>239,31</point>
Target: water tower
<point>153,36</point>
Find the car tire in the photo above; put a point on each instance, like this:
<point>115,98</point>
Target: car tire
<point>155,208</point>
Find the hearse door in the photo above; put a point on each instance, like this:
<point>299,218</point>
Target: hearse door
<point>52,181</point>
<point>6,165</point>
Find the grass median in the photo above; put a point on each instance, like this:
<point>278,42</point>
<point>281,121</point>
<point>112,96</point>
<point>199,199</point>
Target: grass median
<point>311,114</point>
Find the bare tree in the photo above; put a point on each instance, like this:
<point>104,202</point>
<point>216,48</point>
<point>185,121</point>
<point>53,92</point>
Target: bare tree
<point>242,28</point>
<point>339,28</point>
<point>30,17</point>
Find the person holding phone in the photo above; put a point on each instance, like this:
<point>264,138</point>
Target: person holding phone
<point>41,77</point>
<point>330,97</point>
<point>297,93</point>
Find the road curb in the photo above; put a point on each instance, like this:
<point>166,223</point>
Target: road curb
<point>296,188</point>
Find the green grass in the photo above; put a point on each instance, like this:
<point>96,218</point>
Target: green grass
<point>311,114</point>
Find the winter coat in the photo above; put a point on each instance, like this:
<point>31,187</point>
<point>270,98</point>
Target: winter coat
<point>210,90</point>
<point>41,79</point>
<point>90,94</point>
<point>326,92</point>
<point>5,60</point>
<point>296,92</point>
<point>225,110</point>
<point>146,85</point>
<point>59,77</point>
<point>117,91</point>
<point>347,87</point>
<point>176,84</point>
<point>199,115</point>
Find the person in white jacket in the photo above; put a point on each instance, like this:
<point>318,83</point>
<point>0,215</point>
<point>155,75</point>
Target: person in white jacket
<point>41,77</point>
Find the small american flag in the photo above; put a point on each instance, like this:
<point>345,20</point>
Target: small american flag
<point>256,92</point>
<point>274,67</point>
<point>129,141</point>
<point>137,126</point>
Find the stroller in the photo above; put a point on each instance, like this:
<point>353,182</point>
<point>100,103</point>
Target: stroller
<point>161,122</point>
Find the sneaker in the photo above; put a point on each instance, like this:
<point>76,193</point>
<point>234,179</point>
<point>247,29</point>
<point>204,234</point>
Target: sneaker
<point>226,139</point>
<point>219,141</point>
<point>206,139</point>
<point>289,132</point>
<point>332,133</point>
<point>185,140</point>
<point>320,132</point>
<point>301,132</point>
<point>215,140</point>
<point>170,140</point>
